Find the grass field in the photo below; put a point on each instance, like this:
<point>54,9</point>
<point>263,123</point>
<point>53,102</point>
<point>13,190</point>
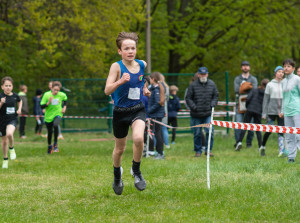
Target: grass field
<point>75,185</point>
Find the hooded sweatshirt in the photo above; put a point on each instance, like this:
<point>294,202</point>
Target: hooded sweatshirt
<point>273,98</point>
<point>291,95</point>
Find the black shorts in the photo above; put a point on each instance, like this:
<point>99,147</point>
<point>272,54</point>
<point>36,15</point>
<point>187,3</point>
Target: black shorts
<point>124,117</point>
<point>13,122</point>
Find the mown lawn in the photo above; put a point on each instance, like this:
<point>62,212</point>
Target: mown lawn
<point>75,185</point>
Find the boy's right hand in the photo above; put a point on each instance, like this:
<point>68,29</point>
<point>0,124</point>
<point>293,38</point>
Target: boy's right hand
<point>125,78</point>
<point>50,99</point>
<point>3,100</point>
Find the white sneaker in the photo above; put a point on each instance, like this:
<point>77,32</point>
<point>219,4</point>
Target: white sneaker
<point>151,153</point>
<point>262,151</point>
<point>238,146</point>
<point>12,154</point>
<point>167,146</point>
<point>5,164</point>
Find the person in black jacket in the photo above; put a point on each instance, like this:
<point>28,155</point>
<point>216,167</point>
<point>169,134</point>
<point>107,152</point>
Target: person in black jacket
<point>201,96</point>
<point>173,108</point>
<point>254,104</point>
<point>156,112</point>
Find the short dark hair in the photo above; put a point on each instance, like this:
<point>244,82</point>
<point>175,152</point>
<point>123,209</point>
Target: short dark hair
<point>289,61</point>
<point>7,78</point>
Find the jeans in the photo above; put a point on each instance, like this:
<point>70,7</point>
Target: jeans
<point>198,133</point>
<point>165,135</point>
<point>240,118</point>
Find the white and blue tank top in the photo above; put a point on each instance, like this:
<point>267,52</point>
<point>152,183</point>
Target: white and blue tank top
<point>130,93</point>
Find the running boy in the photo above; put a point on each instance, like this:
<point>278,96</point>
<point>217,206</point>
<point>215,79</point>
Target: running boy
<point>55,104</point>
<point>8,118</point>
<point>125,83</point>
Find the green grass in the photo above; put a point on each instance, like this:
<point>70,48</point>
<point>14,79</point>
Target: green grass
<point>75,185</point>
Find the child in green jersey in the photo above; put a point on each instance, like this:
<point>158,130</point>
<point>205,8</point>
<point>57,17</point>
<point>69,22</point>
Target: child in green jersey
<point>55,104</point>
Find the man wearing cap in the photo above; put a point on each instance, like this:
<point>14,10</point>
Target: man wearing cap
<point>201,96</point>
<point>247,80</point>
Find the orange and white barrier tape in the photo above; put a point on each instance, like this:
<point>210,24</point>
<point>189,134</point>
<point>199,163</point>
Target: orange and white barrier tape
<point>257,127</point>
<point>243,126</point>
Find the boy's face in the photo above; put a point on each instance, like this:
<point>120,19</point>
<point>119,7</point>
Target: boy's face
<point>55,90</point>
<point>288,69</point>
<point>7,87</point>
<point>298,71</point>
<point>128,50</point>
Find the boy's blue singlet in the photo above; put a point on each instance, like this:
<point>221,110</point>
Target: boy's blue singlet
<point>130,93</point>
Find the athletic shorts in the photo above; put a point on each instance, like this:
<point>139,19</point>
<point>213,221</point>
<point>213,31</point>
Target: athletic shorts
<point>124,117</point>
<point>3,128</point>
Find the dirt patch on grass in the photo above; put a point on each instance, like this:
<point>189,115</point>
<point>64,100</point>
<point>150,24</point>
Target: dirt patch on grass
<point>96,140</point>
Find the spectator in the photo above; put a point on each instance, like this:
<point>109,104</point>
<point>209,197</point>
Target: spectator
<point>291,106</point>
<point>298,71</point>
<point>24,111</point>
<point>173,108</point>
<point>202,95</point>
<point>9,112</point>
<point>164,101</point>
<point>195,77</point>
<point>38,111</point>
<point>156,112</point>
<point>241,99</point>
<point>254,110</point>
<point>272,104</point>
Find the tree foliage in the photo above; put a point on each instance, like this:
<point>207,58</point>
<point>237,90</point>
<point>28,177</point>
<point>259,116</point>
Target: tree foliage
<point>44,39</point>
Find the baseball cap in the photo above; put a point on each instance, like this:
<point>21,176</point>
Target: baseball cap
<point>203,70</point>
<point>245,63</point>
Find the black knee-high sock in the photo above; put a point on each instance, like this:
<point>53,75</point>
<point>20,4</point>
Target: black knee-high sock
<point>117,173</point>
<point>49,128</point>
<point>55,133</point>
<point>136,167</point>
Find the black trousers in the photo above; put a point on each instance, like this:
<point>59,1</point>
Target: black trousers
<point>257,120</point>
<point>22,126</point>
<point>173,122</point>
<point>280,122</point>
<point>156,129</point>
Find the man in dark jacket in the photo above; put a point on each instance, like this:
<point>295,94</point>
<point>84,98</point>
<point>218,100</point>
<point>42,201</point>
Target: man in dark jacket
<point>201,96</point>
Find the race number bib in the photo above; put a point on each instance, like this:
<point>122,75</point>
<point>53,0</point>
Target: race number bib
<point>55,102</point>
<point>134,93</point>
<point>10,110</point>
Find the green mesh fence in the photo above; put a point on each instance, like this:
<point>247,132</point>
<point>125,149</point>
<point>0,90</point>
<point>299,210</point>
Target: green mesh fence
<point>86,98</point>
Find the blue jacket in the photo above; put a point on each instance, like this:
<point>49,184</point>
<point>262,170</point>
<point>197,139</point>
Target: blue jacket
<point>173,106</point>
<point>155,110</point>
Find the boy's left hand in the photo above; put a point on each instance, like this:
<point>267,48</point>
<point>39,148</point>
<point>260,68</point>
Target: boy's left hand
<point>19,111</point>
<point>146,92</point>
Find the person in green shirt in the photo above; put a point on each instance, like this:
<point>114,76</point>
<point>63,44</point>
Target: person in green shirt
<point>55,104</point>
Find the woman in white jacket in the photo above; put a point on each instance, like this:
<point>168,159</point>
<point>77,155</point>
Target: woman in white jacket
<point>272,108</point>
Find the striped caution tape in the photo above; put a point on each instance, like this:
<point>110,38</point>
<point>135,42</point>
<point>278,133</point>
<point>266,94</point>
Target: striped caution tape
<point>243,126</point>
<point>257,127</point>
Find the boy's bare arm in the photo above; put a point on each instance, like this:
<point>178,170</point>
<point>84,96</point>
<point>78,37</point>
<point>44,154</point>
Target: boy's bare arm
<point>20,103</point>
<point>113,80</point>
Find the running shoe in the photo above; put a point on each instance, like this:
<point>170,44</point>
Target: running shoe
<point>139,181</point>
<point>118,184</point>
<point>12,154</point>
